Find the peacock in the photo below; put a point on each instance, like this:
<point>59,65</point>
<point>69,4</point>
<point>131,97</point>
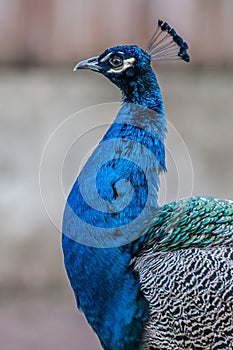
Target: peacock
<point>146,277</point>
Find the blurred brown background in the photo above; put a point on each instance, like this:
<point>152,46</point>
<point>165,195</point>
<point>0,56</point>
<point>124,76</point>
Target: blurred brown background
<point>55,31</point>
<point>40,41</point>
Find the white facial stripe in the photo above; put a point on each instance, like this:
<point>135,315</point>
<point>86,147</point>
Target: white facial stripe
<point>128,62</point>
<point>106,57</point>
<point>109,54</point>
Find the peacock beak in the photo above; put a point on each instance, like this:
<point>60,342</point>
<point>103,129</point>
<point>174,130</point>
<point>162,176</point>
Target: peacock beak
<point>90,63</point>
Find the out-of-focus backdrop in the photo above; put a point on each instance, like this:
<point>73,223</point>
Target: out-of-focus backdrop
<point>40,41</point>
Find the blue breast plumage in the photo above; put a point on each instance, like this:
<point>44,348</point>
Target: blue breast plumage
<point>146,277</point>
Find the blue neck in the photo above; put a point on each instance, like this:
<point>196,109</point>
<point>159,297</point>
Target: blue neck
<point>106,288</point>
<point>144,91</point>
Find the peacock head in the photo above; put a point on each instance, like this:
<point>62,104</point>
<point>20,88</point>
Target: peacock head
<point>121,64</point>
<point>128,66</point>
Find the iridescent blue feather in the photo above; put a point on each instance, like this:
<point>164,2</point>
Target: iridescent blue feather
<point>146,278</point>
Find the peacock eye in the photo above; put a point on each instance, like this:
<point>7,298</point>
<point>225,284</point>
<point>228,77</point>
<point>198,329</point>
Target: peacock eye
<point>116,61</point>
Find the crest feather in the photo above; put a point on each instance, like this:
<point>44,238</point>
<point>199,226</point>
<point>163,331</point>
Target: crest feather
<point>166,44</point>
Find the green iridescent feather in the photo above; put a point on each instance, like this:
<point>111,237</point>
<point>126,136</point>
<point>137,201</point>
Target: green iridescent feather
<point>192,222</point>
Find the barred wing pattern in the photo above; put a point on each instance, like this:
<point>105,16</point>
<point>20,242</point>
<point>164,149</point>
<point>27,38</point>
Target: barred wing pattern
<point>190,286</point>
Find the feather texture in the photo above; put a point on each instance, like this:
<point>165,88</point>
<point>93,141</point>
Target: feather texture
<point>167,45</point>
<point>191,222</point>
<point>185,264</point>
<point>146,278</point>
<point>190,293</point>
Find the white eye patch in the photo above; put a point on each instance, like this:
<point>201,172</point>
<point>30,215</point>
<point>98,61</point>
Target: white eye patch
<point>109,54</point>
<point>105,57</point>
<point>128,62</point>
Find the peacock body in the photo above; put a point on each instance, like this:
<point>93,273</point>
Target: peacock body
<point>146,277</point>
